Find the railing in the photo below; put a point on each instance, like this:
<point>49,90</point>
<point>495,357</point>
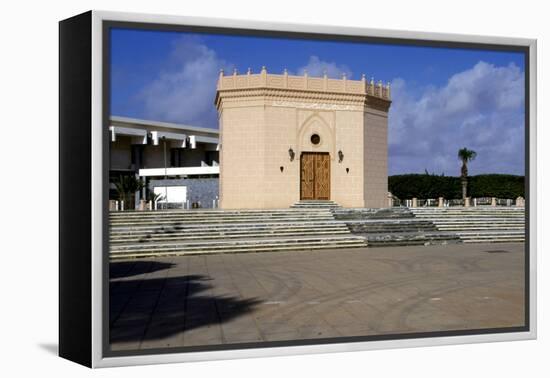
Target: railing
<point>468,202</point>
<point>429,202</point>
<point>161,205</point>
<point>169,205</point>
<point>482,201</point>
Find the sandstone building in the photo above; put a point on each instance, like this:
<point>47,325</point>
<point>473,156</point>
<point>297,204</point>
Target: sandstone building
<point>286,138</point>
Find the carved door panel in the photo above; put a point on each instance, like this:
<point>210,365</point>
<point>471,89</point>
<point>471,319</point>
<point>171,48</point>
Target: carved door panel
<point>315,176</point>
<point>322,177</point>
<point>307,176</point>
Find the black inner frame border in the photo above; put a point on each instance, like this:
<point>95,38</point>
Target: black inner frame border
<point>107,25</point>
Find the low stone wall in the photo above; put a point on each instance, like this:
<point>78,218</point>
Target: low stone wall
<point>466,202</point>
<point>203,190</point>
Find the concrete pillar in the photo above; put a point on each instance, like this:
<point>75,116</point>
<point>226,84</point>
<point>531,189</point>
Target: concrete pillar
<point>137,198</point>
<point>467,202</point>
<point>137,195</point>
<point>440,202</point>
<point>414,202</point>
<point>493,201</point>
<point>142,205</point>
<point>520,202</point>
<point>113,205</point>
<point>144,189</point>
<point>390,200</point>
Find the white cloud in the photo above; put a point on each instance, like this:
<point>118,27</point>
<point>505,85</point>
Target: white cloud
<point>317,67</point>
<point>185,92</point>
<point>480,108</point>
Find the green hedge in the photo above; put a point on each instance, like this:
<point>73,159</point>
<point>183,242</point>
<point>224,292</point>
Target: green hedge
<point>433,186</point>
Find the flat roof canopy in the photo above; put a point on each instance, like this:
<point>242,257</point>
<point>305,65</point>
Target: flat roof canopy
<point>180,171</point>
<point>180,136</point>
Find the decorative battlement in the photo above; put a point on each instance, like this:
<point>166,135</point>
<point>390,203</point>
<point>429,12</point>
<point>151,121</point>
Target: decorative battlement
<point>303,83</point>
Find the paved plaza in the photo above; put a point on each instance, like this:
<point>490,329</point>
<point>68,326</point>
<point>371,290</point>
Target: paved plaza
<point>274,296</point>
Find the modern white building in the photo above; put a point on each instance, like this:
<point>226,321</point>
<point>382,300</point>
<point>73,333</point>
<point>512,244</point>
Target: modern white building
<point>180,162</point>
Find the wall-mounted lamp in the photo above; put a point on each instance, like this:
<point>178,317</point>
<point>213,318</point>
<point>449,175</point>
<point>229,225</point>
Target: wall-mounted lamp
<point>347,170</point>
<point>291,154</point>
<point>282,168</point>
<point>340,156</point>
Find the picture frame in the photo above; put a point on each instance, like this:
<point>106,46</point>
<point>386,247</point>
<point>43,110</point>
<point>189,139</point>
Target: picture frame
<point>84,187</point>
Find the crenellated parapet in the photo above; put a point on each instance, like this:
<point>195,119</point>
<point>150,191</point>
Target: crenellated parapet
<point>304,83</point>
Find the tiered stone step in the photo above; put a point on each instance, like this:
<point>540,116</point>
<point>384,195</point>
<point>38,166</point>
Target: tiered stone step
<point>369,213</point>
<point>315,204</point>
<point>238,245</point>
<point>478,224</point>
<point>171,217</point>
<point>390,226</point>
<point>393,227</point>
<point>180,232</point>
<point>224,230</point>
<point>411,238</point>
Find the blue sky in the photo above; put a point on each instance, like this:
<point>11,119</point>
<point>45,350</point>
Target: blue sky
<point>443,99</point>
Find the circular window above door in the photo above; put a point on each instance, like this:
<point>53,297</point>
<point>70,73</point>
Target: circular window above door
<point>315,139</point>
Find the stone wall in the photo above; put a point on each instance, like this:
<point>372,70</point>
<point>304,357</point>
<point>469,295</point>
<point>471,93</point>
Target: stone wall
<point>376,158</point>
<point>204,190</point>
<point>242,167</point>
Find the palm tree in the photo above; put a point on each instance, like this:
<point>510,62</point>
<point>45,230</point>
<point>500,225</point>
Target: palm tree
<point>126,186</point>
<point>155,197</point>
<point>465,155</point>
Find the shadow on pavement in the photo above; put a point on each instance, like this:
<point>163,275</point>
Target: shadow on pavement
<point>154,309</point>
<point>121,269</point>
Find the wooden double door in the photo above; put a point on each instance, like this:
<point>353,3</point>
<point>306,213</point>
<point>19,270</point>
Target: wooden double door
<point>315,176</point>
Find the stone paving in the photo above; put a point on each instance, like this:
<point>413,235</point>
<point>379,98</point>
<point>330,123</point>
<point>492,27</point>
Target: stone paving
<point>273,296</point>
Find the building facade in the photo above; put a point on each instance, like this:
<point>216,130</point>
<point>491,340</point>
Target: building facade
<point>287,138</point>
<point>177,162</point>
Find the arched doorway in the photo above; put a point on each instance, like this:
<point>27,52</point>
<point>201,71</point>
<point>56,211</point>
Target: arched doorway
<point>315,176</point>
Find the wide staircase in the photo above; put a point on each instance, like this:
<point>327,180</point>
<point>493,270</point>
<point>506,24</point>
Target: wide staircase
<point>477,224</point>
<point>393,227</point>
<point>182,232</point>
<point>315,204</point>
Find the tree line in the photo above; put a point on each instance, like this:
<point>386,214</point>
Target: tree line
<point>433,186</point>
